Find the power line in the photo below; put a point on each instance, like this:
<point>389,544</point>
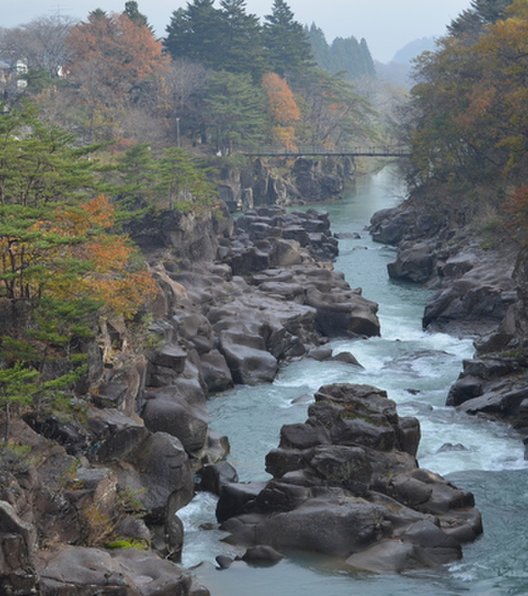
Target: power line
<point>58,10</point>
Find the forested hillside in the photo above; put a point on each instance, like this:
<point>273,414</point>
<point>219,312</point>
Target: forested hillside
<point>347,56</point>
<point>467,119</point>
<point>108,79</point>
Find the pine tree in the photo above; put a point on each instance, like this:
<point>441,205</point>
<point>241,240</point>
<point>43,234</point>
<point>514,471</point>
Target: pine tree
<point>39,163</point>
<point>243,46</point>
<point>132,12</point>
<point>285,41</point>
<point>320,47</point>
<point>195,33</point>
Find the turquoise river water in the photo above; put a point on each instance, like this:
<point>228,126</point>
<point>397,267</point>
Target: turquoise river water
<point>416,368</point>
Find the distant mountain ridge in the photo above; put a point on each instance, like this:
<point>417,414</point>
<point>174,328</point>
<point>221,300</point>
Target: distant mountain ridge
<point>414,48</point>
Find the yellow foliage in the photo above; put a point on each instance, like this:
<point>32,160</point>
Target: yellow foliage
<point>285,137</point>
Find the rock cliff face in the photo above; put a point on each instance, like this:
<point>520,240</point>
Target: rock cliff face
<point>282,181</point>
<point>479,292</point>
<point>474,286</point>
<point>346,484</point>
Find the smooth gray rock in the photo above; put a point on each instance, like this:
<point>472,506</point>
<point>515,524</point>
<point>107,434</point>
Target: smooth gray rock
<point>79,571</point>
<point>170,412</point>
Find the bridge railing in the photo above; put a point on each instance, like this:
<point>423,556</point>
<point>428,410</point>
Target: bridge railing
<point>318,150</point>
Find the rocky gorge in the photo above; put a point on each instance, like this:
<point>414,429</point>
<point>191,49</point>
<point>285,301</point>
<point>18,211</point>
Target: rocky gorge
<point>89,502</point>
<point>237,298</point>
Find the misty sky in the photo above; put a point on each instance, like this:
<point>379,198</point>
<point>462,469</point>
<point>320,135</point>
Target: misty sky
<point>387,25</point>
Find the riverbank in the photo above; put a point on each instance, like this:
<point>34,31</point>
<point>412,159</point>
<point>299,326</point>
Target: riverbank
<point>480,290</point>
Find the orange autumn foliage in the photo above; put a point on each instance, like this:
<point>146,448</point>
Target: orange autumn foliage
<point>113,52</point>
<point>71,254</point>
<point>282,105</point>
<point>282,108</point>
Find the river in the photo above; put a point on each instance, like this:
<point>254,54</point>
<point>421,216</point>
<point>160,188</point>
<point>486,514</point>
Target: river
<point>416,368</point>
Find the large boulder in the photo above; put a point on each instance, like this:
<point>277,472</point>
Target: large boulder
<point>18,541</point>
<point>415,262</point>
<point>114,435</point>
<point>346,484</point>
<point>247,358</point>
<point>78,571</point>
<point>161,470</point>
<point>167,410</point>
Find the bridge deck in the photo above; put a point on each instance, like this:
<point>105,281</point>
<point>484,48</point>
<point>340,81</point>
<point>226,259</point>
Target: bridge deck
<point>338,152</point>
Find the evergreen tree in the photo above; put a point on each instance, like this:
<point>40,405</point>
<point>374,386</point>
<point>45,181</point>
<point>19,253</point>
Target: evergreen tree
<point>40,163</point>
<point>366,58</point>
<point>181,183</point>
<point>195,33</point>
<point>320,47</point>
<point>234,111</point>
<point>132,12</point>
<point>490,11</point>
<point>243,50</point>
<point>285,41</point>
<point>471,22</point>
<point>346,56</point>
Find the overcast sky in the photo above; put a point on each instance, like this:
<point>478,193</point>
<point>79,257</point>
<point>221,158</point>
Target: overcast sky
<point>387,25</point>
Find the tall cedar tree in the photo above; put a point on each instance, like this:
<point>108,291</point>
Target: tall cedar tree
<point>346,56</point>
<point>196,33</point>
<point>320,47</point>
<point>242,50</point>
<point>226,39</point>
<point>287,46</point>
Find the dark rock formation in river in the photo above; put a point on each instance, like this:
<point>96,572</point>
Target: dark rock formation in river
<point>346,484</point>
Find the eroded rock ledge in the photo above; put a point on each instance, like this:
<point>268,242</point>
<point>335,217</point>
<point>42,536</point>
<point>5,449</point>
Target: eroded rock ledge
<point>474,285</point>
<point>346,484</point>
<point>479,292</point>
